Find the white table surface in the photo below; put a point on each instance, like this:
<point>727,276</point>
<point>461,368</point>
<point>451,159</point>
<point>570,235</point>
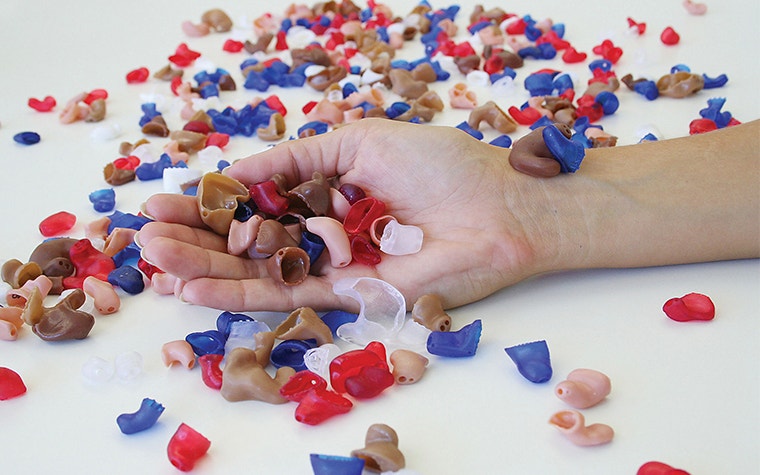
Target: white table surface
<point>683,393</point>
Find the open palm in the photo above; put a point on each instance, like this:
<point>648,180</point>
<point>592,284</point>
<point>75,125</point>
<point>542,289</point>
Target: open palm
<point>459,191</point>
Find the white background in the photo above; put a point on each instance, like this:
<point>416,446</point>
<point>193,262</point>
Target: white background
<point>685,394</point>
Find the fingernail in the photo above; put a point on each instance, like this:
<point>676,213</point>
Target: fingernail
<point>144,211</point>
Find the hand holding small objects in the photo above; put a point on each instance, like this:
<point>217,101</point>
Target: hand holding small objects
<point>466,253</point>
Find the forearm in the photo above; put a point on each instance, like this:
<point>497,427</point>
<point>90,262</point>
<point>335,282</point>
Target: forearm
<point>685,200</point>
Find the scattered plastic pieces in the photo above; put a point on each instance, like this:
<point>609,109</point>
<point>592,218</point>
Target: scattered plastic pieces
<point>11,384</point>
<point>532,360</point>
<point>104,200</point>
<point>97,370</point>
<point>568,153</point>
<point>27,138</point>
<point>145,417</point>
<point>138,75</point>
<point>186,447</point>
<point>57,223</point>
<point>206,342</point>
<point>669,36</point>
<point>178,352</point>
<point>690,307</point>
<point>659,468</point>
<point>211,372</point>
<point>695,8</point>
<point>128,278</point>
<point>128,365</point>
<point>45,105</point>
<point>408,366</point>
<point>458,344</point>
<point>246,379</point>
<point>361,373</point>
<point>583,388</point>
<point>336,465</point>
<point>572,425</point>
<point>382,310</point>
<point>380,452</point>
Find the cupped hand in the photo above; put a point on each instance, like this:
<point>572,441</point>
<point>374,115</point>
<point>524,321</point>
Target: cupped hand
<point>461,192</point>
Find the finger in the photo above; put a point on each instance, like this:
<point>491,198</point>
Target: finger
<point>188,262</point>
<point>331,154</point>
<point>181,232</point>
<point>263,295</point>
<point>174,208</point>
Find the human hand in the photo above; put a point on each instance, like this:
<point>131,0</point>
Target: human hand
<point>459,191</point>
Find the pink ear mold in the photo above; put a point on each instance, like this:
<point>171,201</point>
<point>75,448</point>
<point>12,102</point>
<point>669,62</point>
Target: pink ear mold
<point>572,425</point>
<point>460,97</point>
<point>326,111</point>
<point>195,30</point>
<point>245,379</point>
<point>106,299</point>
<point>12,315</point>
<point>186,447</point>
<point>18,297</point>
<point>243,234</point>
<point>583,388</point>
<point>334,235</point>
<point>408,366</point>
<point>8,331</point>
<point>178,352</point>
<point>339,205</point>
<point>380,452</point>
<point>695,8</point>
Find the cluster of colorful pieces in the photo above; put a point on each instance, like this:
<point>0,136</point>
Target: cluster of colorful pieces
<point>584,388</point>
<point>311,370</point>
<point>292,226</point>
<point>85,276</point>
<point>185,447</point>
<point>350,57</point>
<point>356,71</point>
<point>379,454</point>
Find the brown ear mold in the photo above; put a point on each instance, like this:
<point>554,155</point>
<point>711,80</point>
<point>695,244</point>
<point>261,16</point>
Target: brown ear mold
<point>218,197</point>
<point>380,452</point>
<point>304,324</point>
<point>428,312</point>
<point>245,379</point>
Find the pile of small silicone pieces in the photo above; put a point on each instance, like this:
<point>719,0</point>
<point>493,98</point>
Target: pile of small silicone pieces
<point>355,70</point>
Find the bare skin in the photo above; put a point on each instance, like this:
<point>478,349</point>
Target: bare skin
<point>486,225</point>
